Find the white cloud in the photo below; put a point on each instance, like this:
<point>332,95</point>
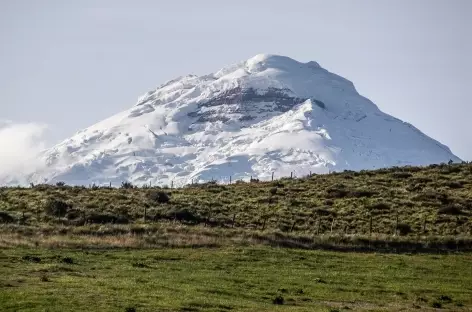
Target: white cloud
<point>20,144</point>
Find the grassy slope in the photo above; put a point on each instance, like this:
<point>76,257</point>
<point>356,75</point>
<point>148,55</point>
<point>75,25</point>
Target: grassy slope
<point>230,279</point>
<point>415,195</point>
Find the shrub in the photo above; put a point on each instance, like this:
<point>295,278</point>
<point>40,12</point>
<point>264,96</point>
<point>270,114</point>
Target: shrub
<point>362,193</point>
<point>380,206</point>
<point>404,229</point>
<point>106,218</point>
<point>184,215</point>
<point>336,193</point>
<point>454,184</point>
<point>67,260</point>
<point>323,212</point>
<point>44,278</point>
<point>130,309</point>
<point>436,304</point>
<point>451,209</point>
<point>451,169</point>
<point>445,298</point>
<point>278,300</point>
<point>159,197</point>
<point>30,258</point>
<point>273,191</point>
<point>56,207</point>
<point>127,185</point>
<point>402,175</point>
<point>5,217</point>
<point>72,214</point>
<point>60,184</point>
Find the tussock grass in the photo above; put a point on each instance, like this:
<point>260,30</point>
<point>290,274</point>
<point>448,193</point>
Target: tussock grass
<point>426,206</point>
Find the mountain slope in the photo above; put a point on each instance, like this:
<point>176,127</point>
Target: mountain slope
<point>267,114</point>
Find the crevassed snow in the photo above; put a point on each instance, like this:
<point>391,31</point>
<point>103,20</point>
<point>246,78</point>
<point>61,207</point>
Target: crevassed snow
<point>267,114</point>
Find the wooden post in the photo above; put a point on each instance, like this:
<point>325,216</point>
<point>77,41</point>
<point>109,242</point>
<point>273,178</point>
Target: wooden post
<point>145,214</point>
<point>264,223</point>
<point>291,175</point>
<point>229,179</point>
<point>370,225</point>
<point>310,173</point>
<point>272,176</point>
<point>293,225</point>
<point>332,224</point>
<point>424,225</point>
<point>209,216</point>
<point>396,225</point>
<point>234,220</point>
<point>110,184</point>
<point>172,184</point>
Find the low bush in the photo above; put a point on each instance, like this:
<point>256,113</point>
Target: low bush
<point>404,229</point>
<point>102,218</point>
<point>6,218</point>
<point>56,208</point>
<point>159,197</point>
<point>451,209</point>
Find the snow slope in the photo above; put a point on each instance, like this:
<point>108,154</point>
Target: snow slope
<point>267,114</point>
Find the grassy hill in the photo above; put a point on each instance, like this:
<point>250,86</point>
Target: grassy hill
<point>430,206</point>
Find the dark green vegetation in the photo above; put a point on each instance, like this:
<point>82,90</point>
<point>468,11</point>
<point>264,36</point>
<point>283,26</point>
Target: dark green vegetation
<point>231,279</point>
<point>409,208</point>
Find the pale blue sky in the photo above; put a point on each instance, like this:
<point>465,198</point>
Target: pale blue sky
<point>69,64</point>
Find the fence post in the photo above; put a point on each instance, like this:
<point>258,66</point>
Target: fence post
<point>209,216</point>
<point>396,225</point>
<point>145,213</point>
<point>291,174</point>
<point>332,224</point>
<point>424,225</point>
<point>110,184</point>
<point>293,225</point>
<point>370,225</point>
<point>172,184</point>
<point>234,220</point>
<point>272,176</point>
<point>229,179</point>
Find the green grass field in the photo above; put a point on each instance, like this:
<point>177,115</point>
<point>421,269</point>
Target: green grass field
<point>231,279</point>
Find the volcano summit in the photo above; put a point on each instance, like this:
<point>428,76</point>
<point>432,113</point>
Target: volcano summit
<point>266,114</point>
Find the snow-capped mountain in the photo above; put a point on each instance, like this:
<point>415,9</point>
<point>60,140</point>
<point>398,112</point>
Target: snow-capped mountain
<point>267,114</point>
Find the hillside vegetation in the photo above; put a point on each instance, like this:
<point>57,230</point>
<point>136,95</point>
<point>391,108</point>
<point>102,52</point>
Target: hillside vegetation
<point>414,204</point>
